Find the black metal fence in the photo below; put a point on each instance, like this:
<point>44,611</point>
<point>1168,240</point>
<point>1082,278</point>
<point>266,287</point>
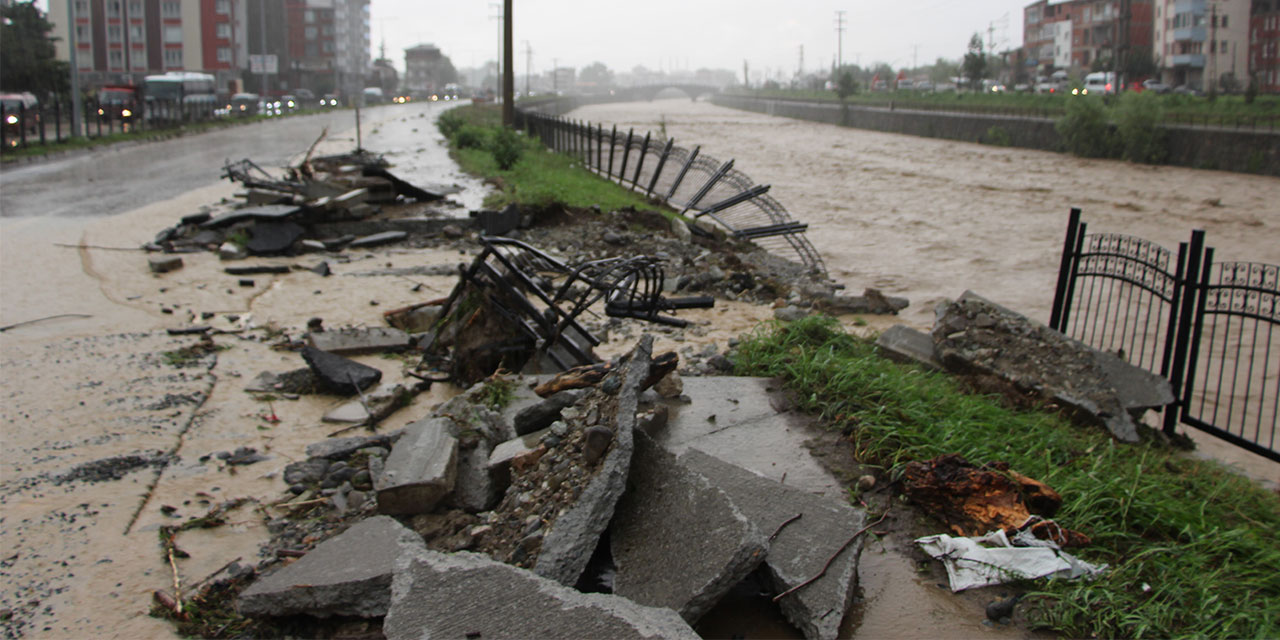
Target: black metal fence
<point>1209,328</point>
<point>694,184</point>
<point>50,123</point>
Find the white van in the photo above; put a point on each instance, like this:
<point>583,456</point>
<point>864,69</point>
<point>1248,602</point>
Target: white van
<point>1100,83</point>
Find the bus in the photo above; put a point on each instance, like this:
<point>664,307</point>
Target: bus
<point>180,95</point>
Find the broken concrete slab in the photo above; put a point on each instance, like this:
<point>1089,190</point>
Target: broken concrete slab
<point>374,405</point>
<point>343,447</point>
<point>871,301</point>
<point>251,270</point>
<point>421,469</point>
<point>802,547</point>
<point>267,212</point>
<point>386,237</point>
<point>498,223</point>
<point>337,374</point>
<point>164,264</point>
<point>573,536</point>
<point>437,595</point>
<point>270,238</point>
<point>475,489</point>
<point>540,414</point>
<point>349,199</point>
<point>347,575</point>
<point>505,452</point>
<point>677,540</point>
<point>746,421</point>
<point>905,344</point>
<point>976,335</point>
<point>358,341</point>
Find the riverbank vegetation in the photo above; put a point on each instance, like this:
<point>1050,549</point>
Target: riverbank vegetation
<point>1192,547</point>
<point>525,171</point>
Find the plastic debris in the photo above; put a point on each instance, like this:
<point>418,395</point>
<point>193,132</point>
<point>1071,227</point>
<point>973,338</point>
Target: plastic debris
<point>996,559</point>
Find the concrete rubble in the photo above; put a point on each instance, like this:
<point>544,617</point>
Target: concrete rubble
<point>421,469</point>
<point>338,375</point>
<point>976,335</point>
<point>359,341</point>
<point>802,547</point>
<point>677,540</point>
<point>436,595</point>
<point>347,575</point>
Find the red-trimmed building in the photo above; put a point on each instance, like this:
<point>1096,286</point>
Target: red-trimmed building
<point>1264,45</point>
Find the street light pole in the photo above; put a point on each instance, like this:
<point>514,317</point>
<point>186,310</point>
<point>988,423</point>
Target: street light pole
<point>508,69</point>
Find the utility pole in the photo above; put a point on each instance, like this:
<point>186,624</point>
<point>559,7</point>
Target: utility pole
<point>839,40</point>
<point>509,76</point>
<point>746,79</point>
<point>77,116</point>
<point>800,65</point>
<point>528,66</point>
<point>497,61</point>
<point>555,75</point>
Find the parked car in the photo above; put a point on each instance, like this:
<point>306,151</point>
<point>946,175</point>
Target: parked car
<point>1152,84</point>
<point>306,96</point>
<point>373,95</point>
<point>289,103</point>
<point>118,103</point>
<point>328,100</point>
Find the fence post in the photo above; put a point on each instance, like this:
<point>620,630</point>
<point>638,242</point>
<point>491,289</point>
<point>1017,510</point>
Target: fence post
<point>644,149</point>
<point>1064,271</point>
<point>599,145</point>
<point>626,153</point>
<point>1199,260</point>
<point>57,120</point>
<point>662,162</point>
<point>40,113</point>
<point>693,155</point>
<point>706,188</point>
<point>613,142</point>
<point>3,115</point>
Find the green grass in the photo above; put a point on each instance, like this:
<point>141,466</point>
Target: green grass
<point>1193,547</point>
<point>540,178</point>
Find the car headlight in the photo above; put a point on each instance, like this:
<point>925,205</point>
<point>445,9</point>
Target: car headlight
<point>101,112</point>
<point>291,105</point>
<point>126,113</point>
<point>12,119</point>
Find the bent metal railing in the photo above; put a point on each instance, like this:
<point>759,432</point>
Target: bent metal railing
<point>1210,329</point>
<point>694,184</point>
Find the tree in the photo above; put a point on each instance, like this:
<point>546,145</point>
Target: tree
<point>27,54</point>
<point>598,74</point>
<point>845,84</point>
<point>943,71</point>
<point>1139,63</point>
<point>975,62</point>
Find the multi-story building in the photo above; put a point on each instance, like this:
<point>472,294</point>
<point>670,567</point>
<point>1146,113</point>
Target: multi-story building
<point>427,69</point>
<point>1264,45</point>
<point>317,44</point>
<point>1076,34</point>
<point>1203,44</point>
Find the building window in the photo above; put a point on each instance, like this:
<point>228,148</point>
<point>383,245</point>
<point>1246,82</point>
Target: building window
<point>114,33</point>
<point>82,8</point>
<point>173,57</point>
<point>172,34</point>
<point>135,9</point>
<point>222,6</point>
<point>308,16</point>
<point>310,33</point>
<point>310,49</point>
<point>327,30</point>
<point>171,9</point>
<point>115,58</point>
<point>327,46</point>
<point>223,30</point>
<point>82,33</point>
<point>139,58</point>
<point>113,8</point>
<point>224,54</point>
<point>1224,22</point>
<point>135,33</point>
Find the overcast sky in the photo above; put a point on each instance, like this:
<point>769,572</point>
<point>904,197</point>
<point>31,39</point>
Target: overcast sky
<point>674,34</point>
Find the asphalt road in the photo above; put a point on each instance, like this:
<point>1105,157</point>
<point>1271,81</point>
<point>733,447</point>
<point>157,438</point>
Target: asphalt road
<point>124,177</point>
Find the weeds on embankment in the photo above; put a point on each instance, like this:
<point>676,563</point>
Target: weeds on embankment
<point>1192,547</point>
<point>537,177</point>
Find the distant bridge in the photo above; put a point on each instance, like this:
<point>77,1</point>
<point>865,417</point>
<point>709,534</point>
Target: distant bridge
<point>649,92</point>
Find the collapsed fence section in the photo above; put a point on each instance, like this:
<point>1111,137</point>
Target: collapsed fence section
<point>696,185</point>
<point>1210,329</point>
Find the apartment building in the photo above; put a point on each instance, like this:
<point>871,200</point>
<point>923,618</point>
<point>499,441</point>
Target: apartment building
<point>1203,44</point>
<point>427,69</point>
<point>318,44</point>
<point>1076,34</point>
<point>1264,45</point>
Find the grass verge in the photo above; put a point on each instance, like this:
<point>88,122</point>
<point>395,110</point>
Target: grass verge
<point>540,178</point>
<point>1193,547</point>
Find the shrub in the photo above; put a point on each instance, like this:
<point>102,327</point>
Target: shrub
<point>449,123</point>
<point>1138,124</point>
<point>1084,129</point>
<point>505,145</point>
<point>470,137</point>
